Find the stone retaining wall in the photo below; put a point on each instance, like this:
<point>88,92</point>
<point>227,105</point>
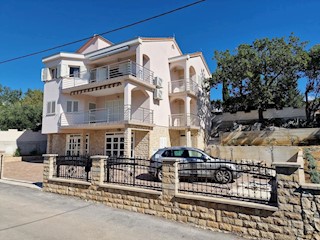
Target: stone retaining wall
<point>295,217</point>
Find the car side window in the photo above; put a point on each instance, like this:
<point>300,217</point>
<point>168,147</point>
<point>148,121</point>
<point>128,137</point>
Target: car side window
<point>166,153</point>
<point>196,154</point>
<point>177,153</point>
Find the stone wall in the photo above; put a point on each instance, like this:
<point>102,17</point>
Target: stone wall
<point>295,217</point>
<point>280,137</point>
<point>267,154</point>
<point>141,148</point>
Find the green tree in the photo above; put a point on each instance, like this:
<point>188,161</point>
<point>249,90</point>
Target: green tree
<point>20,111</point>
<point>261,74</point>
<point>313,83</point>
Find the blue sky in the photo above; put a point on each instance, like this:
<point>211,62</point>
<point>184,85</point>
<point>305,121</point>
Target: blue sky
<point>32,25</point>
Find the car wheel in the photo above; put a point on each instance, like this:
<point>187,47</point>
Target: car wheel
<point>223,176</point>
<point>159,174</point>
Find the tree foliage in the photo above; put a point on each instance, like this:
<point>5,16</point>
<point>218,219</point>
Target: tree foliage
<point>262,74</point>
<point>313,83</point>
<point>20,111</point>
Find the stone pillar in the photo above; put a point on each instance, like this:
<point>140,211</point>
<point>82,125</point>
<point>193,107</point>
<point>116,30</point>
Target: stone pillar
<point>49,143</point>
<point>188,138</point>
<point>289,215</point>
<point>97,170</point>
<point>170,180</point>
<point>127,142</point>
<point>49,161</point>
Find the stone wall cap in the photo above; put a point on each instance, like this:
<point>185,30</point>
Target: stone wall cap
<point>49,155</point>
<point>63,180</point>
<point>131,189</point>
<point>228,202</point>
<point>99,157</point>
<point>311,186</point>
<point>287,164</point>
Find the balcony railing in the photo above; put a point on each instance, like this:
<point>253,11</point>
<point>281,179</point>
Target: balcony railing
<point>183,85</point>
<point>108,72</point>
<point>184,120</point>
<point>108,115</point>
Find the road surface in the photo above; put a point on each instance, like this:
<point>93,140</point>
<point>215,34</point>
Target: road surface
<point>27,213</point>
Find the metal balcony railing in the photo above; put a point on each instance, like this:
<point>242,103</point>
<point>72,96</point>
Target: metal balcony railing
<point>107,72</point>
<point>183,85</point>
<point>184,120</point>
<point>108,115</point>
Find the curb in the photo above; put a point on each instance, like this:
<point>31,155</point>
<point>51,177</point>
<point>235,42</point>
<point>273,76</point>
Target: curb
<point>20,183</point>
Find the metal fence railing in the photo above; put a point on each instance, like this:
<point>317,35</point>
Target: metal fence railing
<point>73,167</point>
<point>130,172</point>
<point>108,115</point>
<point>107,72</point>
<point>244,180</point>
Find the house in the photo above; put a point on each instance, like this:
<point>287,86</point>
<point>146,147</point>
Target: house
<point>129,98</point>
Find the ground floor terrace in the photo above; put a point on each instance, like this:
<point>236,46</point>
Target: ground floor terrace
<point>132,141</point>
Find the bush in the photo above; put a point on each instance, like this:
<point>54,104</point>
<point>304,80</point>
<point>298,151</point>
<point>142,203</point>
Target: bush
<point>17,152</point>
<point>315,176</point>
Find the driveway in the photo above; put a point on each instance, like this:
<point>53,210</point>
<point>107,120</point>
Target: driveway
<point>27,213</point>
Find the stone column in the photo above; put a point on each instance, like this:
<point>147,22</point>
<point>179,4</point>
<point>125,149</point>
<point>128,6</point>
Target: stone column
<point>170,178</point>
<point>49,161</point>
<point>97,169</point>
<point>188,138</point>
<point>127,142</point>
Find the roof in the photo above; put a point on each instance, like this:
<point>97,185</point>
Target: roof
<point>90,41</point>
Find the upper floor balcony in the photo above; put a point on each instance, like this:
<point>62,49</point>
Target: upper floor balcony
<point>103,117</point>
<point>99,77</point>
<point>183,86</point>
<point>182,121</point>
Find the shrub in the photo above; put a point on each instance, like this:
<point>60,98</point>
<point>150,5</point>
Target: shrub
<point>315,176</point>
<point>17,152</point>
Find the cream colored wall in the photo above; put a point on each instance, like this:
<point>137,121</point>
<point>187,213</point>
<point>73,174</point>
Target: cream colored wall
<point>141,144</point>
<point>159,52</point>
<point>96,45</point>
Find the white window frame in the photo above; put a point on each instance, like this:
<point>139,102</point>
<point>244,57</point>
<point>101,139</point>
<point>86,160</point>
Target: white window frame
<point>75,73</point>
<point>74,144</point>
<point>87,145</point>
<point>51,108</point>
<point>72,106</point>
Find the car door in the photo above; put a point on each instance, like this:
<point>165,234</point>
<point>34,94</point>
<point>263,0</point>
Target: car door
<point>182,155</point>
<point>197,163</point>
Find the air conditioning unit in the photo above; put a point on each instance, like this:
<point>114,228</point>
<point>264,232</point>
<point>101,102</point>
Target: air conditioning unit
<point>157,94</point>
<point>158,82</point>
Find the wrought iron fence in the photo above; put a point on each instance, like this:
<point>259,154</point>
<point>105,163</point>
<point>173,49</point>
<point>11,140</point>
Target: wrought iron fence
<point>130,172</point>
<point>73,167</point>
<point>244,180</point>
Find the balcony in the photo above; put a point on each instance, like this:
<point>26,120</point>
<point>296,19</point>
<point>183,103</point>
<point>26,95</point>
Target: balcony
<point>105,73</point>
<point>181,121</point>
<point>183,86</point>
<point>107,117</point>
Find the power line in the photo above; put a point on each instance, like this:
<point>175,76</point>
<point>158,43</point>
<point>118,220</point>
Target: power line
<point>104,33</point>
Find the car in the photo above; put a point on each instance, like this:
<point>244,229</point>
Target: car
<point>195,164</point>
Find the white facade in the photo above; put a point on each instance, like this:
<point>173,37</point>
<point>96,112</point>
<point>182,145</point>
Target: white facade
<point>144,91</point>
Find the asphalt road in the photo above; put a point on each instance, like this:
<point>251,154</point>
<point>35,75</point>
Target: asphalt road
<point>27,213</point>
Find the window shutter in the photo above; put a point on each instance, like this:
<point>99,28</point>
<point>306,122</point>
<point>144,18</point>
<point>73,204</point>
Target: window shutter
<point>53,107</point>
<point>75,106</point>
<point>48,107</point>
<point>44,74</point>
<point>69,106</point>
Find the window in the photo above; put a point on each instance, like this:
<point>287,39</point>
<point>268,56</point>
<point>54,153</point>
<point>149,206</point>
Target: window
<point>72,106</point>
<point>74,71</point>
<point>86,147</point>
<point>73,147</point>
<point>53,73</point>
<point>51,108</point>
<point>195,154</point>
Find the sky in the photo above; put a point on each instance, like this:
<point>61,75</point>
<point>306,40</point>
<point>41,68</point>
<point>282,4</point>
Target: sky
<point>32,25</point>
